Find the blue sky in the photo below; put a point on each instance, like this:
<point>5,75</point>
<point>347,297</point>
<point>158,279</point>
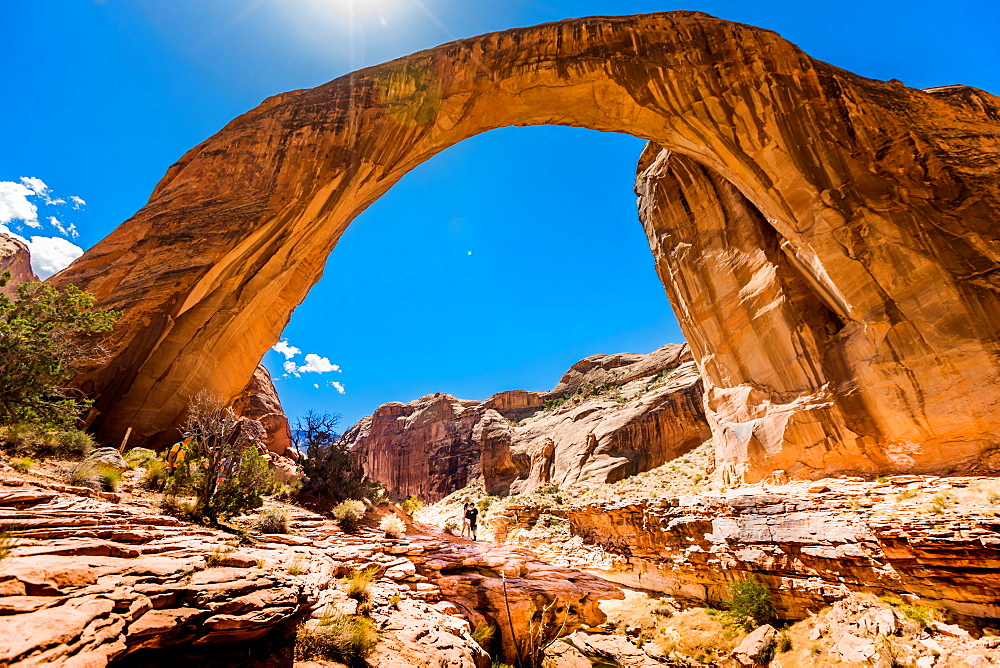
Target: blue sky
<point>101,97</point>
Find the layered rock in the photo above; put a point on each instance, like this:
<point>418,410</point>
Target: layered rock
<point>864,210</point>
<point>936,541</point>
<point>90,582</point>
<point>15,258</point>
<point>609,417</point>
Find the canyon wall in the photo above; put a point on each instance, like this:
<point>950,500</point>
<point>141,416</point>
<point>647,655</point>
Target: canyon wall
<point>863,249</point>
<point>15,258</point>
<point>610,416</point>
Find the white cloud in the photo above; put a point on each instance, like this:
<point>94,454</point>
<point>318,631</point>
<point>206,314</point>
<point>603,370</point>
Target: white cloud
<point>316,385</point>
<point>316,364</point>
<point>14,204</point>
<point>339,387</point>
<point>67,230</point>
<point>51,254</point>
<point>290,368</point>
<point>283,347</point>
<point>77,201</point>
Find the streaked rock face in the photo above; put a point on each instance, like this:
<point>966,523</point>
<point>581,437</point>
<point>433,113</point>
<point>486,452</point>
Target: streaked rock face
<point>15,258</point>
<point>828,240</point>
<point>620,415</point>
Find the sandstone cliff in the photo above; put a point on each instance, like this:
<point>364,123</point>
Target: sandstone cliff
<point>609,417</point>
<point>828,240</point>
<point>15,258</point>
<point>259,401</point>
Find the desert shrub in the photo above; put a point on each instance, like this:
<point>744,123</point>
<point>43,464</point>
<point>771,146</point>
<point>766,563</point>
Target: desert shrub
<point>348,513</point>
<point>233,474</point>
<point>483,634</point>
<point>46,334</point>
<point>7,541</point>
<point>31,438</point>
<point>218,555</point>
<point>156,475</point>
<point>918,613</point>
<point>411,505</point>
<point>182,509</point>
<point>273,520</point>
<point>392,526</point>
<point>22,464</point>
<point>906,494</point>
<point>783,643</point>
<point>394,601</point>
<point>347,638</point>
<point>749,604</point>
<point>552,404</point>
<point>485,503</point>
<point>137,457</point>
<point>332,472</point>
<point>359,584</point>
<point>451,526</point>
<point>299,566</point>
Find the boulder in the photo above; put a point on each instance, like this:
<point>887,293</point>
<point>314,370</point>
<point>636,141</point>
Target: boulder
<point>756,648</point>
<point>106,457</point>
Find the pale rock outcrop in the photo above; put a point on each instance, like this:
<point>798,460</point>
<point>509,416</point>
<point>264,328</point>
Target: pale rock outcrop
<point>15,258</point>
<point>828,240</point>
<point>620,415</point>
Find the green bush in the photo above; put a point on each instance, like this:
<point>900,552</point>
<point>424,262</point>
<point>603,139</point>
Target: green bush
<point>348,513</point>
<point>411,505</point>
<point>141,457</point>
<point>46,334</point>
<point>156,475</point>
<point>30,438</point>
<point>182,509</point>
<point>332,472</point>
<point>242,490</point>
<point>749,604</point>
<point>273,520</point>
<point>22,464</point>
<point>451,527</point>
<point>347,638</point>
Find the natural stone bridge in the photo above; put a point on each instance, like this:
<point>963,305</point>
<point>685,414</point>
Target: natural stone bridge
<point>828,242</point>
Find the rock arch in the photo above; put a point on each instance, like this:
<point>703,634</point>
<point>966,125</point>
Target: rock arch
<point>828,241</point>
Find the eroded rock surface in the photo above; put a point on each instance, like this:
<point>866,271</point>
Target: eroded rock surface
<point>91,581</point>
<point>15,258</point>
<point>935,540</point>
<point>617,415</point>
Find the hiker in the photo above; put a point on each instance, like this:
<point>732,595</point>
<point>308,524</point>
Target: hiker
<point>471,519</point>
<point>177,452</point>
<point>465,519</point>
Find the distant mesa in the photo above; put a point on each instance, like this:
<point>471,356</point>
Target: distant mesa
<point>610,417</point>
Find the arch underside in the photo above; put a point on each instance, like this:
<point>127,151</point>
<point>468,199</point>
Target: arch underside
<point>827,241</point>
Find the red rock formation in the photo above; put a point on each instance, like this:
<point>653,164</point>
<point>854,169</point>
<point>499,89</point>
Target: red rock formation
<point>848,321</point>
<point>811,545</point>
<point>259,401</point>
<point>621,414</point>
<point>15,258</point>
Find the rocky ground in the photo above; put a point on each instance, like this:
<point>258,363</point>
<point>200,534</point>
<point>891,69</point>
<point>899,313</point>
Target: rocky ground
<point>921,551</point>
<point>895,572</point>
<point>97,577</point>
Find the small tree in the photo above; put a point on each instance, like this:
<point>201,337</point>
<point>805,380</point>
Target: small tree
<point>46,334</point>
<point>332,472</point>
<point>234,473</point>
<point>749,604</point>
